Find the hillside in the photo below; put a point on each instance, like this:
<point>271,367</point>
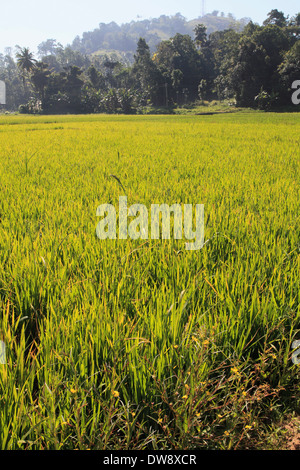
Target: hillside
<point>121,40</point>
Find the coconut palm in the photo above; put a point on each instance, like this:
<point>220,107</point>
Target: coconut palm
<point>25,61</point>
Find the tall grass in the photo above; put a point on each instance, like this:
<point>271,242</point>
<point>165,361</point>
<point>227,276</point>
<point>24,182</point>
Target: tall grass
<point>121,344</point>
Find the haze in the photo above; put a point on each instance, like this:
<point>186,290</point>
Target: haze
<point>28,23</point>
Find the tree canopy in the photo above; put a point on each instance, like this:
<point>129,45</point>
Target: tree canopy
<point>253,67</point>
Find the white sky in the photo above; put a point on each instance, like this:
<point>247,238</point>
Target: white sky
<point>29,22</point>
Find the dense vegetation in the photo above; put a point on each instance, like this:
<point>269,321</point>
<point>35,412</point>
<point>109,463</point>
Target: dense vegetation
<point>123,344</point>
<point>123,38</point>
<point>250,68</point>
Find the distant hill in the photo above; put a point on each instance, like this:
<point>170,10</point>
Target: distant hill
<point>120,40</point>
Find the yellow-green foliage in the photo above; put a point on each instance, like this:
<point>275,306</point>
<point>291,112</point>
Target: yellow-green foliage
<point>142,344</point>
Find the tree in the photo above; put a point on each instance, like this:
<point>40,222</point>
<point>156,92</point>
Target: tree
<point>297,19</point>
<point>220,57</point>
<point>250,29</point>
<point>96,78</point>
<point>64,92</point>
<point>25,61</point>
<point>110,68</point>
<point>48,47</point>
<point>180,54</point>
<point>147,76</point>
<point>16,94</point>
<point>289,69</point>
<point>277,18</point>
<point>39,78</point>
<point>200,35</point>
<point>73,85</point>
<point>294,27</point>
<point>258,59</point>
<point>67,56</point>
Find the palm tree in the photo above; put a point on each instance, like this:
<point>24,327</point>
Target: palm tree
<point>25,61</point>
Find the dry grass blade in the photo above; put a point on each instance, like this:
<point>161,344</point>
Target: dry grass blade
<point>118,180</point>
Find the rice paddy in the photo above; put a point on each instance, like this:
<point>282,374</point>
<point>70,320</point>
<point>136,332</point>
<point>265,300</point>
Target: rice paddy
<point>141,344</point>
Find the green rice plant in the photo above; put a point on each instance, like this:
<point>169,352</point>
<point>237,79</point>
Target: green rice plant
<point>141,344</point>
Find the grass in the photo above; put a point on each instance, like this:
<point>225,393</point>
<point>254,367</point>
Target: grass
<point>198,108</point>
<point>115,344</point>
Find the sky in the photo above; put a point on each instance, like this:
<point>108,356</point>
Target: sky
<point>29,22</point>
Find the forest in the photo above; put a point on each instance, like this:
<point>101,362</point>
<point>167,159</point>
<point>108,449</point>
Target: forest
<point>253,66</point>
<point>123,38</point>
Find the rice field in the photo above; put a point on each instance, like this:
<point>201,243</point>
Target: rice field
<point>141,344</point>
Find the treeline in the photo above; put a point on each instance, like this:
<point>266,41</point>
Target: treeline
<point>252,68</point>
